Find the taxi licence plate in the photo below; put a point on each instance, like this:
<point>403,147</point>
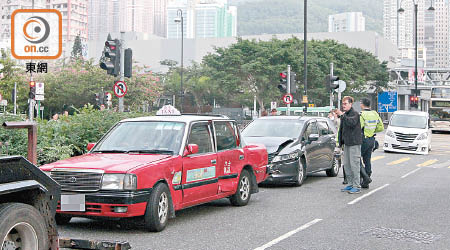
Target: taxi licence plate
<point>73,202</point>
<point>404,144</point>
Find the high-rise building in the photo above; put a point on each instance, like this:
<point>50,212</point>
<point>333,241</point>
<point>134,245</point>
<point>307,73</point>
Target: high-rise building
<point>433,30</point>
<point>74,20</point>
<point>202,18</point>
<point>346,22</point>
<point>137,16</point>
<point>7,8</point>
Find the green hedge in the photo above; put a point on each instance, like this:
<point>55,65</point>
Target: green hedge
<point>63,138</point>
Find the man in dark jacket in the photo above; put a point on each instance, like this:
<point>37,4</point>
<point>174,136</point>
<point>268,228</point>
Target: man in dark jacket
<point>351,138</point>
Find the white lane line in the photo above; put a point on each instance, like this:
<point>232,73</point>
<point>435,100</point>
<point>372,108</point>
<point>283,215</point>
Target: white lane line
<point>287,235</point>
<point>364,196</point>
<point>412,172</point>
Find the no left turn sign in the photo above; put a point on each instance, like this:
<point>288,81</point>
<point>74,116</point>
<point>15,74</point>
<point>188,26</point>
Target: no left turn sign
<point>120,89</point>
<point>288,98</point>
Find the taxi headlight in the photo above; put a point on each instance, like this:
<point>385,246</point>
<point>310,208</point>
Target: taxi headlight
<point>286,157</point>
<point>422,136</point>
<point>390,133</point>
<point>119,181</point>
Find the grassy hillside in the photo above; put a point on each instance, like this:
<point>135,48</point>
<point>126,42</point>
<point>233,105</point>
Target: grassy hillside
<point>286,16</point>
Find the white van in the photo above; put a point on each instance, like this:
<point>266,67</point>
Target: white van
<point>408,132</point>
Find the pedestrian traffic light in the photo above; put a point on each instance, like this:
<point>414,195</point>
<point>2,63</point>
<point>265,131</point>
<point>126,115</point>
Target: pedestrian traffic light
<point>293,83</point>
<point>414,102</point>
<point>32,93</point>
<point>110,60</point>
<point>331,82</point>
<point>282,86</point>
<point>128,67</point>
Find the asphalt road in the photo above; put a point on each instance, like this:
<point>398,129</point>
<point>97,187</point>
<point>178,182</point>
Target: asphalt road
<point>406,207</point>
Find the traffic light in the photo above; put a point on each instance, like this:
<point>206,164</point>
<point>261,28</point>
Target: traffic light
<point>32,93</point>
<point>293,83</point>
<point>282,86</point>
<point>414,101</point>
<point>128,67</point>
<point>111,57</point>
<point>331,82</point>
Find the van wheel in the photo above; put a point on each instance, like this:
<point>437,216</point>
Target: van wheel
<point>22,227</point>
<point>334,170</point>
<point>242,195</point>
<point>62,219</point>
<point>157,212</point>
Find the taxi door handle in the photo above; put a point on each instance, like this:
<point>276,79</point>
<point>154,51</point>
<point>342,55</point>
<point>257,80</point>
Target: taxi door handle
<point>241,157</point>
<point>213,161</point>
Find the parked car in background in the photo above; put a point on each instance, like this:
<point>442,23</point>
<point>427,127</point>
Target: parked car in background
<point>149,167</point>
<point>408,132</point>
<point>296,146</point>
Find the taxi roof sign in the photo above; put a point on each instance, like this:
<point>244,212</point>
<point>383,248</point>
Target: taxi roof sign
<point>168,110</point>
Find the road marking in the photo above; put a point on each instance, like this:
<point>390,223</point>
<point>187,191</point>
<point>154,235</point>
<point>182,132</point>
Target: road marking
<point>378,157</point>
<point>287,235</point>
<point>369,193</point>
<point>427,163</point>
<point>399,161</point>
<point>412,172</point>
<point>448,167</point>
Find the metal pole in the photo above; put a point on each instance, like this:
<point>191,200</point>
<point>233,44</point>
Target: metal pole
<point>288,88</point>
<point>122,66</point>
<point>398,6</point>
<point>415,42</point>
<point>305,51</point>
<point>31,101</point>
<point>254,107</point>
<point>331,91</point>
<point>181,72</point>
<point>15,98</point>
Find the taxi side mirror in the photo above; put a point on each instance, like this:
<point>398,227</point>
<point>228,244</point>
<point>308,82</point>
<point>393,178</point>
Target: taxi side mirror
<point>90,146</point>
<point>190,149</point>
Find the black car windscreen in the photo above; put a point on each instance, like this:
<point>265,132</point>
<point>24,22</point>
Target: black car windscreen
<point>273,128</point>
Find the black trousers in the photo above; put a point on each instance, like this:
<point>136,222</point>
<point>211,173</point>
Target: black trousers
<point>366,154</point>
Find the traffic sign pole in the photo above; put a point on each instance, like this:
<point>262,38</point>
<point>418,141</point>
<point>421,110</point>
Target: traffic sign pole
<point>288,111</point>
<point>122,66</point>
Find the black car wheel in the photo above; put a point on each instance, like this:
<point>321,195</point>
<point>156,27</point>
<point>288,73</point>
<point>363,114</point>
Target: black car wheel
<point>62,219</point>
<point>301,174</point>
<point>157,213</point>
<point>243,194</point>
<point>334,170</point>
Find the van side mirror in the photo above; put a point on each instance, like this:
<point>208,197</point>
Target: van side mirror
<point>313,137</point>
<point>190,149</point>
<point>90,146</point>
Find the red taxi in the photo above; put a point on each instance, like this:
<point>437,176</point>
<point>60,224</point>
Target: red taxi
<point>149,167</point>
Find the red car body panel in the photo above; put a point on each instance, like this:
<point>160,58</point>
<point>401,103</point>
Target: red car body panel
<point>151,169</point>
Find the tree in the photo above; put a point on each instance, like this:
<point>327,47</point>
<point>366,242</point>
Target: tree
<point>251,68</point>
<point>77,49</point>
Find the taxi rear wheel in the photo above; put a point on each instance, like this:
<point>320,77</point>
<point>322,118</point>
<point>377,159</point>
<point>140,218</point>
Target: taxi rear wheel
<point>157,212</point>
<point>243,194</point>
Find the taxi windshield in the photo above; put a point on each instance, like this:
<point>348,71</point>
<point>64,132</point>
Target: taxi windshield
<point>155,137</point>
<point>273,128</point>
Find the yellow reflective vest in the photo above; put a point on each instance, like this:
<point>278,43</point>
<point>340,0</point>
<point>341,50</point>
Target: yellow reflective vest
<point>371,122</point>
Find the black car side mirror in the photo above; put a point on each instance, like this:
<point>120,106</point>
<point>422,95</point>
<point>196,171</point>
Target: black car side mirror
<point>313,137</point>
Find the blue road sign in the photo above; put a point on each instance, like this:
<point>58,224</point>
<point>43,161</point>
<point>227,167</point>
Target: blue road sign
<point>387,102</point>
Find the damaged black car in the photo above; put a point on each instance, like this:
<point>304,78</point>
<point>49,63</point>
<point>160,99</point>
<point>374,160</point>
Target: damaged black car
<point>296,146</point>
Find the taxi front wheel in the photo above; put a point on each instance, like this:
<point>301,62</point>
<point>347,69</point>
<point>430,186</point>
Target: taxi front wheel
<point>157,212</point>
<point>243,194</point>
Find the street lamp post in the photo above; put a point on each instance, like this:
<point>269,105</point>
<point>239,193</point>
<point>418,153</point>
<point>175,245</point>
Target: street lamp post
<point>401,10</point>
<point>179,19</point>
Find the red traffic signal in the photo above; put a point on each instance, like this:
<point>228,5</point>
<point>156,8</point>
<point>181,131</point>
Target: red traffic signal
<point>110,44</point>
<point>283,75</point>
